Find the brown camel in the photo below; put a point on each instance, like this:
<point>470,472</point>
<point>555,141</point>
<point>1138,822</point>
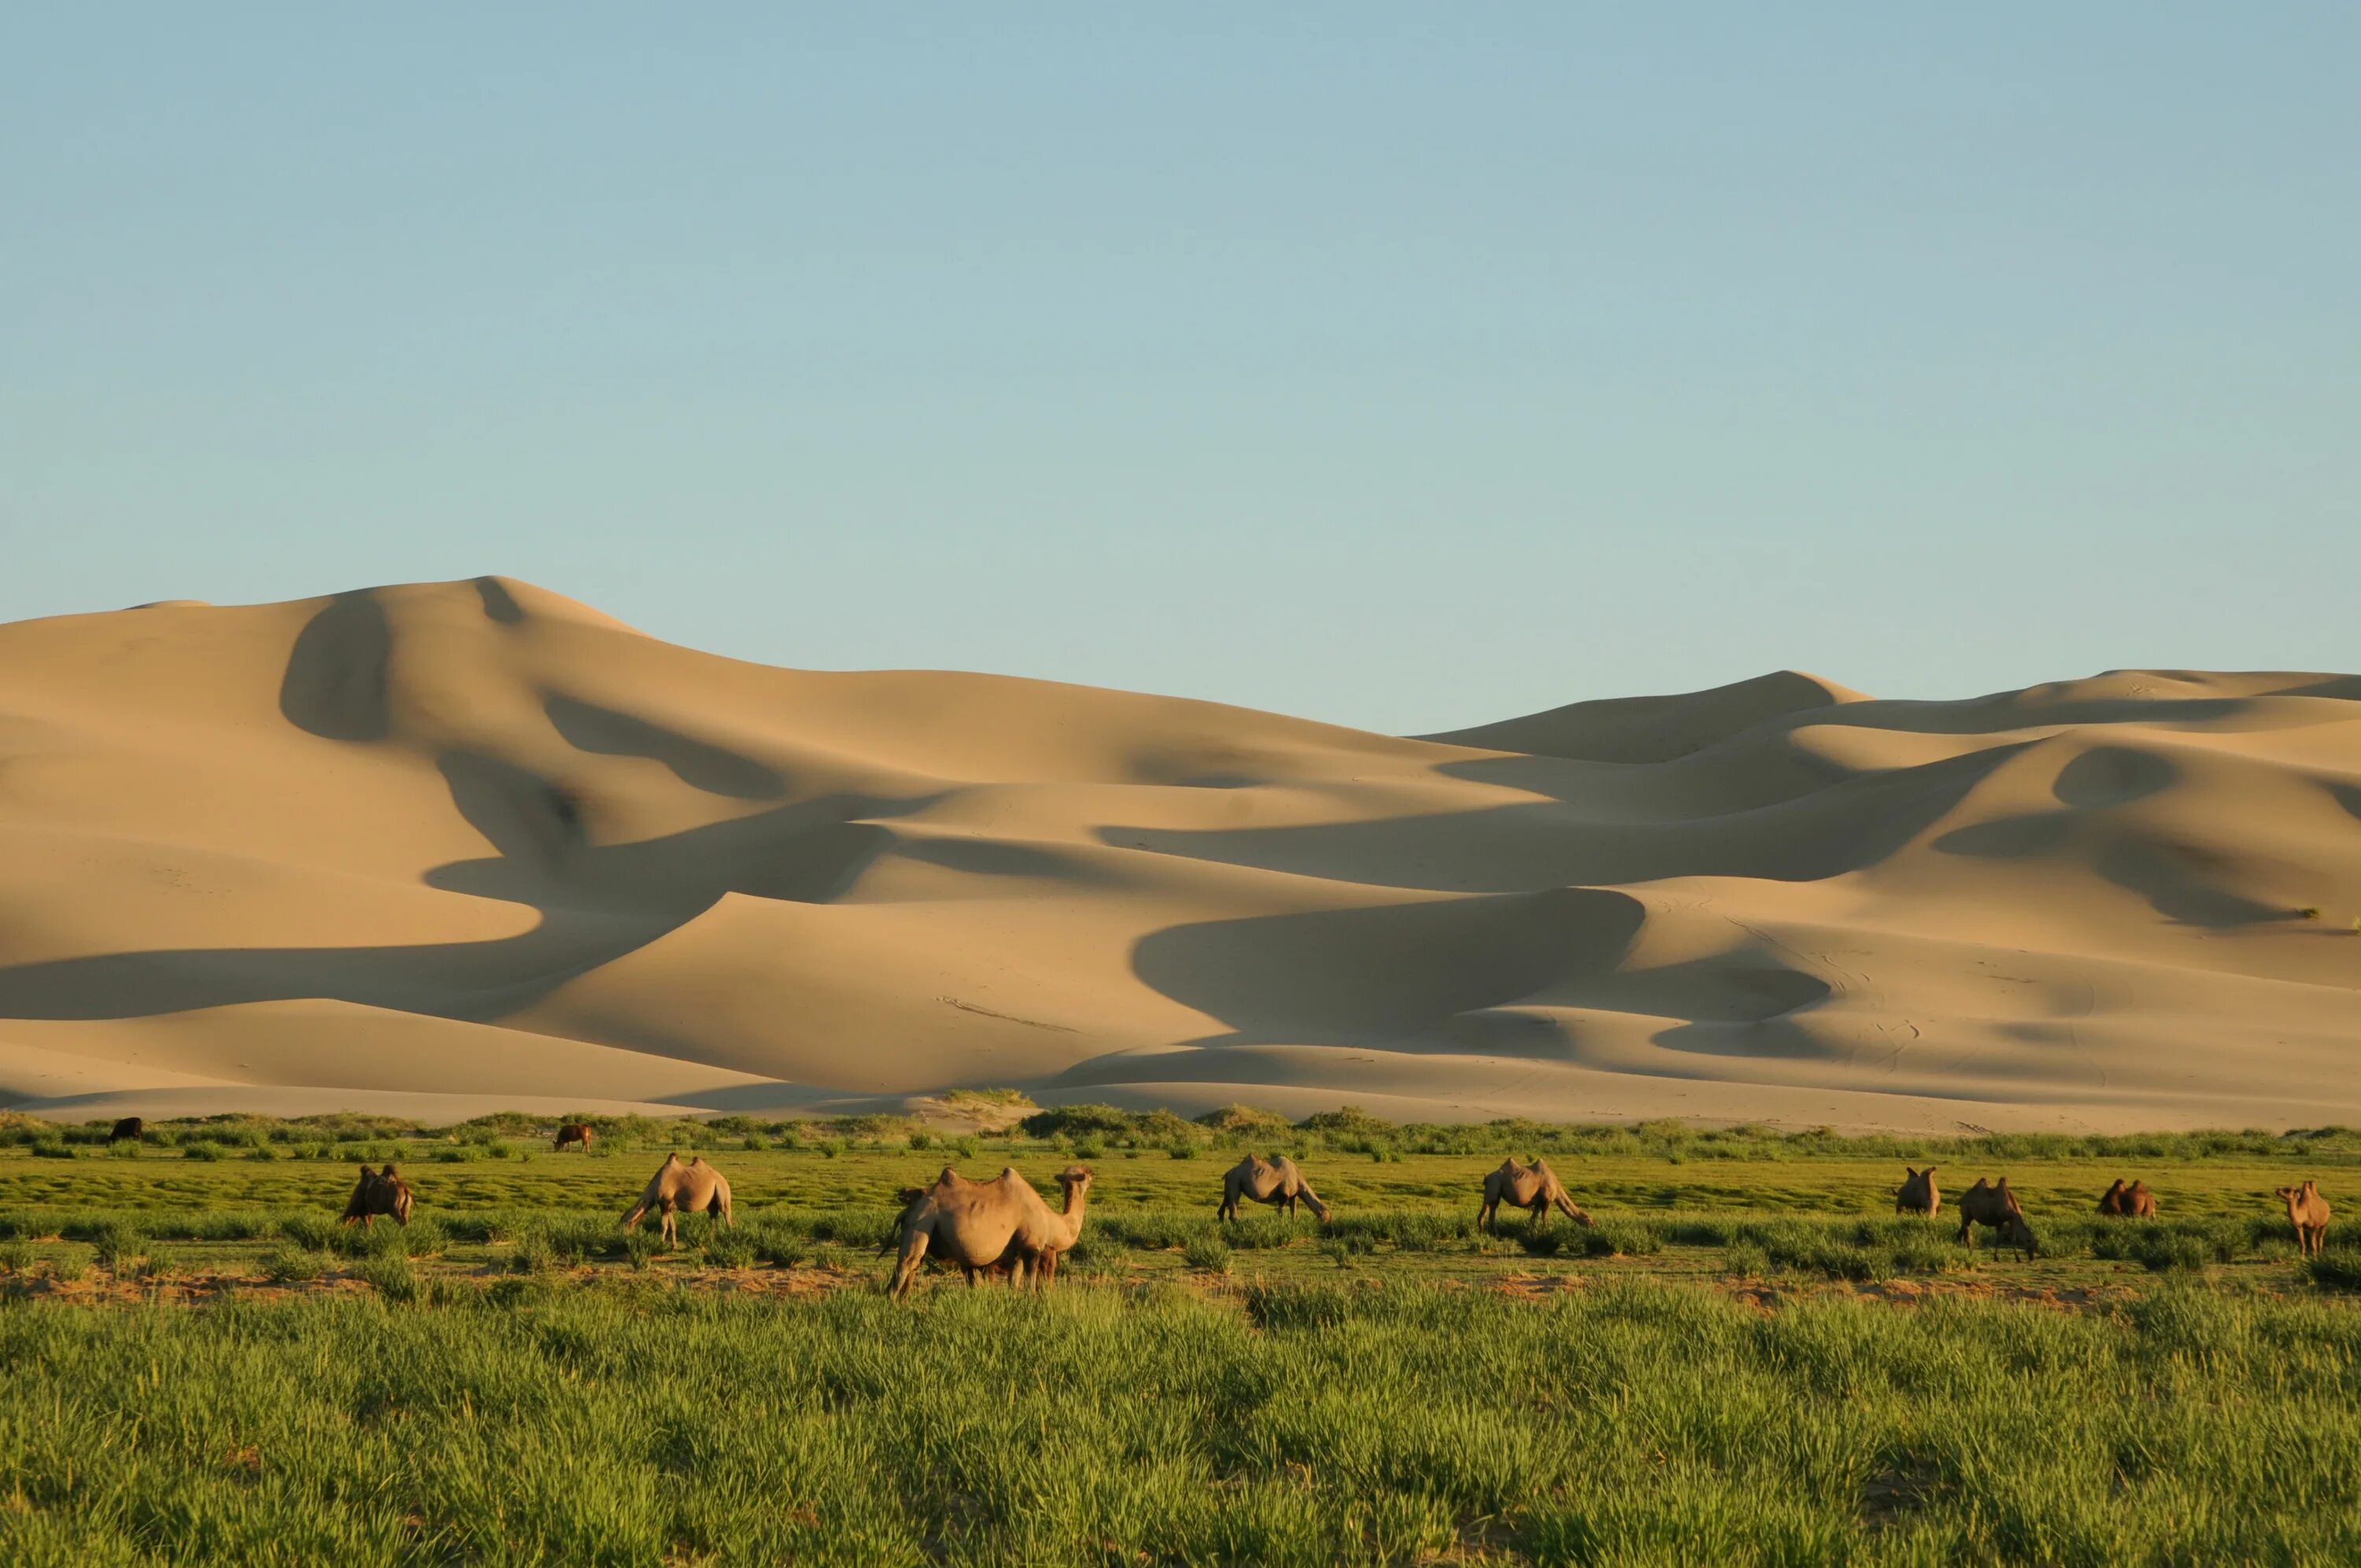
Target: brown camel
<point>2308,1212</point>
<point>1534,1188</point>
<point>2133,1202</point>
<point>981,1226</point>
<point>574,1133</point>
<point>129,1129</point>
<point>377,1193</point>
<point>1996,1208</point>
<point>1919,1194</point>
<point>1275,1181</point>
<point>694,1187</point>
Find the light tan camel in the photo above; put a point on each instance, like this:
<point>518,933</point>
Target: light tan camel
<point>377,1193</point>
<point>1919,1194</point>
<point>693,1186</point>
<point>981,1226</point>
<point>1534,1188</point>
<point>1275,1181</point>
<point>2308,1212</point>
<point>2133,1202</point>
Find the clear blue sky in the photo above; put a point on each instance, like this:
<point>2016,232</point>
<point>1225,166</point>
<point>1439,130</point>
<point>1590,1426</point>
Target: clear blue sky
<point>1406,366</point>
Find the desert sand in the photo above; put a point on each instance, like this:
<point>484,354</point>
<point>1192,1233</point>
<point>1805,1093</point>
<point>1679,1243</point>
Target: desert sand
<point>441,849</point>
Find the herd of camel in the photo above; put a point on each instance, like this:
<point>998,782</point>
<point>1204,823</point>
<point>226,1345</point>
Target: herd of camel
<point>1004,1229</point>
<point>1995,1208</point>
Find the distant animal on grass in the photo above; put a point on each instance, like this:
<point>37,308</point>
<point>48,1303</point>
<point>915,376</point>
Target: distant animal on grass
<point>2133,1202</point>
<point>130,1127</point>
<point>1275,1181</point>
<point>1919,1194</point>
<point>2308,1212</point>
<point>678,1187</point>
<point>574,1133</point>
<point>1534,1188</point>
<point>1996,1209</point>
<point>378,1192</point>
<point>980,1227</point>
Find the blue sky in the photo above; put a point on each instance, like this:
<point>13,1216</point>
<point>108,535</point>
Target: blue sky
<point>1404,366</point>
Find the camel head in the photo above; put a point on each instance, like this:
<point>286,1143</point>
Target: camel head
<point>1075,1178</point>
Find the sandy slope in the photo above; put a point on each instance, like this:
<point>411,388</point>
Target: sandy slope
<point>444,847</point>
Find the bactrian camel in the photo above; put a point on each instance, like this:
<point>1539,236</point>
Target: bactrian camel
<point>2308,1212</point>
<point>1919,1194</point>
<point>1275,1181</point>
<point>1996,1209</point>
<point>980,1227</point>
<point>691,1186</point>
<point>377,1193</point>
<point>2133,1202</point>
<point>1534,1188</point>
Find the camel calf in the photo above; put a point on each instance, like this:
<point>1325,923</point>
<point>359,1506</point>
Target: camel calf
<point>1275,1181</point>
<point>1919,1194</point>
<point>574,1133</point>
<point>695,1186</point>
<point>1995,1208</point>
<point>2133,1202</point>
<point>1534,1188</point>
<point>377,1193</point>
<point>2308,1212</point>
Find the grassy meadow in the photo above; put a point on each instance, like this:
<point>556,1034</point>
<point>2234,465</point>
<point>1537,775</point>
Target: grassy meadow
<point>1749,1359</point>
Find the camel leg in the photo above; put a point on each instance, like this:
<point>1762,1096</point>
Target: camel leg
<point>671,1230</point>
<point>905,1267</point>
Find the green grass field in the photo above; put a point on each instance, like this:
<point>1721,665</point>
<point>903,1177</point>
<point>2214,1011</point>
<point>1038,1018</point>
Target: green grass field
<point>1749,1358</point>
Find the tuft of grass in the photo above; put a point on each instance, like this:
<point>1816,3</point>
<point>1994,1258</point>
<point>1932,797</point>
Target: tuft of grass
<point>1208,1253</point>
<point>391,1275</point>
<point>291,1264</point>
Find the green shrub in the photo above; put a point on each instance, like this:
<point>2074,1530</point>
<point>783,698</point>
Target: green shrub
<point>201,1151</point>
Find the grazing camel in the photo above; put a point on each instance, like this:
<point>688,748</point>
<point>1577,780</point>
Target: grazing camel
<point>1275,1181</point>
<point>694,1186</point>
<point>1996,1208</point>
<point>2133,1202</point>
<point>1919,1194</point>
<point>983,1226</point>
<point>377,1193</point>
<point>1534,1188</point>
<point>129,1128</point>
<point>2308,1212</point>
<point>574,1133</point>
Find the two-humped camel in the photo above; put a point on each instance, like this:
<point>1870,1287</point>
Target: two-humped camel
<point>1534,1188</point>
<point>2308,1212</point>
<point>1996,1209</point>
<point>1919,1194</point>
<point>2133,1202</point>
<point>979,1226</point>
<point>693,1186</point>
<point>378,1194</point>
<point>1275,1181</point>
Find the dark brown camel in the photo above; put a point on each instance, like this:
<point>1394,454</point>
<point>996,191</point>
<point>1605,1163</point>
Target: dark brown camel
<point>378,1193</point>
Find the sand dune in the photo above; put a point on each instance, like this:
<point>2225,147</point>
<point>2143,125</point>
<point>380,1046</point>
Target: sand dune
<point>440,848</point>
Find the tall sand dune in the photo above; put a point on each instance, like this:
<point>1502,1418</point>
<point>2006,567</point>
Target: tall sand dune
<point>442,848</point>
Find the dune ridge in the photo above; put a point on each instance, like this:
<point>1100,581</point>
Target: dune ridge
<point>472,844</point>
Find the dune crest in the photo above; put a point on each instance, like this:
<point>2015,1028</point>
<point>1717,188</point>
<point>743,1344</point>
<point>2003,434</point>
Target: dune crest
<point>452,846</point>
